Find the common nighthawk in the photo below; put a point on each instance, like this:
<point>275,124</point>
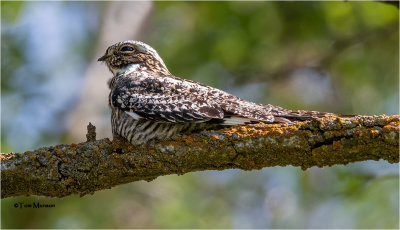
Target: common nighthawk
<point>149,103</point>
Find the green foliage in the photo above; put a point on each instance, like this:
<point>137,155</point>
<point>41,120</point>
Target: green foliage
<point>10,10</point>
<point>383,203</point>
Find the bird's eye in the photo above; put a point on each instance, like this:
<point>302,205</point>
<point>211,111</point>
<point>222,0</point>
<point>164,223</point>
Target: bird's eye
<point>127,48</point>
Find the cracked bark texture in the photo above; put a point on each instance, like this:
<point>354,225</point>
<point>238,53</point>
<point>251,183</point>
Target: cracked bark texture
<point>94,165</point>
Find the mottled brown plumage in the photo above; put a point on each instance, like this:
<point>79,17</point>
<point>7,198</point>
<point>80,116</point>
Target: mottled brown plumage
<point>148,103</point>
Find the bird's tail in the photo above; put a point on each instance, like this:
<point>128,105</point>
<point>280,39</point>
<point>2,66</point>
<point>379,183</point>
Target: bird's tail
<point>284,115</point>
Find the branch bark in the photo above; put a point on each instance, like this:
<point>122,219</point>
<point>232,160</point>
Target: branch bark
<point>94,165</point>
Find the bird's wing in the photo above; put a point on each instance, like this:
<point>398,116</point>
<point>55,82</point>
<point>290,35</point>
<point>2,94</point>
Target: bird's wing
<point>236,110</point>
<point>163,105</point>
<point>177,100</point>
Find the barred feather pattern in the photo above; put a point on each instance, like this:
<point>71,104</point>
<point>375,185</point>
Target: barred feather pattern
<point>143,131</point>
<point>149,104</point>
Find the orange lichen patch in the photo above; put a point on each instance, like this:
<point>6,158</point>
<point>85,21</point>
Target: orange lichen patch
<point>6,156</point>
<point>291,128</point>
<point>73,145</point>
<point>251,163</point>
<point>262,132</point>
<point>233,130</point>
<point>27,152</point>
<point>255,132</point>
<point>337,145</point>
<point>69,181</point>
<point>374,133</point>
<point>66,160</point>
<point>260,129</point>
<point>392,126</point>
<point>120,143</point>
<point>243,129</point>
<point>358,133</point>
<point>331,122</point>
<point>278,131</point>
<point>216,137</point>
<point>187,139</point>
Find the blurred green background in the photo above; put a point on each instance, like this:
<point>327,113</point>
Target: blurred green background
<point>341,57</point>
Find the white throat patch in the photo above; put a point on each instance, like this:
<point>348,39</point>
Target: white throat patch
<point>128,69</point>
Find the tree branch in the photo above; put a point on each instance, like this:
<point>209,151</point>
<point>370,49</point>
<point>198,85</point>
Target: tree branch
<point>84,168</point>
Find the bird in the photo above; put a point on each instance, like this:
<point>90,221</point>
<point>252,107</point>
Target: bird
<point>149,104</point>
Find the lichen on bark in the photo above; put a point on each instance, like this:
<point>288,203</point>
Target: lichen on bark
<point>86,167</point>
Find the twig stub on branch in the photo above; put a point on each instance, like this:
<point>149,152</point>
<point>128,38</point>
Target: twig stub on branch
<point>91,133</point>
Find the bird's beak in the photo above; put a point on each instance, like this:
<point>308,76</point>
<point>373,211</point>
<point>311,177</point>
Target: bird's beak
<point>103,58</point>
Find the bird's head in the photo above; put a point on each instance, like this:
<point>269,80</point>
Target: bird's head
<point>133,55</point>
